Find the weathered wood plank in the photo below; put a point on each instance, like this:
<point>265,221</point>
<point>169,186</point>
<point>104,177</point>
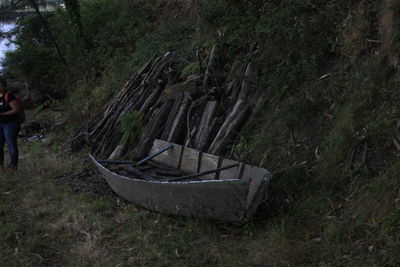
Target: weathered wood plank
<point>190,160</point>
<point>232,123</point>
<point>153,129</point>
<point>229,173</point>
<point>121,95</point>
<point>208,162</point>
<point>246,87</point>
<point>210,66</point>
<point>178,122</point>
<point>172,114</point>
<point>151,100</point>
<point>171,157</point>
<point>117,152</point>
<point>153,155</point>
<point>141,93</point>
<point>205,127</point>
<point>255,176</point>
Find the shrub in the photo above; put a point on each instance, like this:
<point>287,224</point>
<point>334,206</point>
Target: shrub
<point>131,127</point>
<point>36,61</point>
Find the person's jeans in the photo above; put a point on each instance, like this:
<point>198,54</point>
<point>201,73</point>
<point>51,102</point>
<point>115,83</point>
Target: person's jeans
<point>9,134</point>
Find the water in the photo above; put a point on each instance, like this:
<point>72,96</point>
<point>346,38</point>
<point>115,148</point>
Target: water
<point>5,44</point>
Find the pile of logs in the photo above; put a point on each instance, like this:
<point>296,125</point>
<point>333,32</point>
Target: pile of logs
<point>204,112</point>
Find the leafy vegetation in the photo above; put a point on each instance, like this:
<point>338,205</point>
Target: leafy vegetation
<point>326,128</point>
<point>131,127</point>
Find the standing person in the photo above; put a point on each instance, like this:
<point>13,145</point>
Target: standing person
<point>9,125</point>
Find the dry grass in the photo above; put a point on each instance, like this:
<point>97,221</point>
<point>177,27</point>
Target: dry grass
<point>45,224</point>
<point>355,30</point>
<point>388,30</point>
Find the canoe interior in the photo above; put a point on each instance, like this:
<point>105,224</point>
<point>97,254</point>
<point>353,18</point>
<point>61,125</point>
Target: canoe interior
<point>192,160</point>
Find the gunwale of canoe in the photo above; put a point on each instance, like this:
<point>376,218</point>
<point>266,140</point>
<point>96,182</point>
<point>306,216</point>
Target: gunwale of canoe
<point>223,199</point>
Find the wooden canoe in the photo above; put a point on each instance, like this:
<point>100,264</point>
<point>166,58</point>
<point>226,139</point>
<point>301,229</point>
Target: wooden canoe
<point>232,195</point>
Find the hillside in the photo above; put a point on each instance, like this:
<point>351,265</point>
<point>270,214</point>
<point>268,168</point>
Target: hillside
<point>324,116</point>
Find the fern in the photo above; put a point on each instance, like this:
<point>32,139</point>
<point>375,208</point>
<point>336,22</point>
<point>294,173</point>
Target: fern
<point>131,127</point>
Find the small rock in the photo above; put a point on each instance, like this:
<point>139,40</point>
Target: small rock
<point>316,239</point>
<point>47,141</point>
<point>33,138</point>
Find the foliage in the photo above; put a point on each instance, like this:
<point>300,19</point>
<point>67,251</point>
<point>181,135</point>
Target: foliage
<point>90,36</point>
<point>325,130</point>
<point>36,60</point>
<point>131,126</point>
<point>190,69</point>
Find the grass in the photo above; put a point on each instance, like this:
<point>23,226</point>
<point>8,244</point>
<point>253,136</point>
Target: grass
<point>325,208</point>
<point>47,224</point>
<point>335,194</point>
<point>44,224</point>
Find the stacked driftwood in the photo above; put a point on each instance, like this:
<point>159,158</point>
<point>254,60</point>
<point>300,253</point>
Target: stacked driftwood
<point>204,112</point>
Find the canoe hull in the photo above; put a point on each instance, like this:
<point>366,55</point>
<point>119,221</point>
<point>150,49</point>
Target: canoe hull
<point>217,199</point>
